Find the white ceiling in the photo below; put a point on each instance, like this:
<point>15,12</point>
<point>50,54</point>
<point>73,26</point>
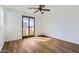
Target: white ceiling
<point>53,8</point>
<point>24,8</point>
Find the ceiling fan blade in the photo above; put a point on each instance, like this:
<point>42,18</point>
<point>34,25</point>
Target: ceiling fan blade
<point>46,9</point>
<point>32,8</point>
<point>36,11</point>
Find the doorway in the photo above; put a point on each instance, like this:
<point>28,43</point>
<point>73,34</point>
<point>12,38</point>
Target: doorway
<point>28,26</point>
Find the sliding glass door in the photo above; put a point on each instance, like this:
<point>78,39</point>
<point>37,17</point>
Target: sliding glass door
<point>28,26</point>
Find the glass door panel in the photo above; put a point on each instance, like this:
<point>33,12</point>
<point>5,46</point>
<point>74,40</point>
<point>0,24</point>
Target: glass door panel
<point>25,26</point>
<point>31,26</point>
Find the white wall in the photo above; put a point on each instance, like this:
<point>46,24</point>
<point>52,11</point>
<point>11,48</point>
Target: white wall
<point>14,24</point>
<point>2,35</point>
<point>62,22</point>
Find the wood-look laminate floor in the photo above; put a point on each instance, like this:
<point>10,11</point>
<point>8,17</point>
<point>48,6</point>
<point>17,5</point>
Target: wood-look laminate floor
<point>40,45</point>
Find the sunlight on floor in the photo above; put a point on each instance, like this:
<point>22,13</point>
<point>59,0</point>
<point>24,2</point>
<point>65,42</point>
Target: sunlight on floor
<point>39,39</point>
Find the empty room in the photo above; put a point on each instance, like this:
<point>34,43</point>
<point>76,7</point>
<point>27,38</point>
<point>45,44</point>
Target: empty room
<point>39,28</point>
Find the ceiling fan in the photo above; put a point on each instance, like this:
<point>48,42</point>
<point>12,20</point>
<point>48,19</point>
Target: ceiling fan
<point>40,8</point>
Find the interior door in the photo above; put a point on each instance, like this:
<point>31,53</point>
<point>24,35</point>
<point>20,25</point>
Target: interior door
<point>28,26</point>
